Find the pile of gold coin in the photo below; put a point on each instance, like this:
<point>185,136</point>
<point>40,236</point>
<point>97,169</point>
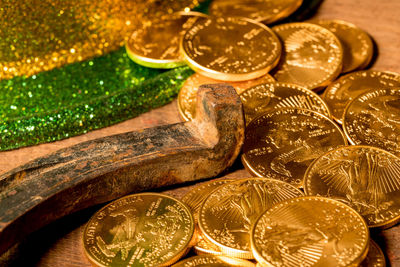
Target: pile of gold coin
<point>322,140</point>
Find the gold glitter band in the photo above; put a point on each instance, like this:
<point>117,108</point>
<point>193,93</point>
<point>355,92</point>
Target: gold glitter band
<point>39,35</point>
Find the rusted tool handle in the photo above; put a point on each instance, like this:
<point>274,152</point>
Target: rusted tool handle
<point>100,170</point>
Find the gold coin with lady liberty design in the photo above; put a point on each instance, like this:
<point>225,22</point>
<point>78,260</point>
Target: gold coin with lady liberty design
<point>231,48</point>
<point>263,97</point>
<point>364,177</point>
<point>156,44</point>
<point>146,229</point>
<point>188,94</point>
<point>312,55</point>
<point>213,261</point>
<point>310,231</point>
<point>266,11</point>
<point>338,94</point>
<point>357,45</point>
<point>226,216</point>
<point>373,119</point>
<point>282,143</point>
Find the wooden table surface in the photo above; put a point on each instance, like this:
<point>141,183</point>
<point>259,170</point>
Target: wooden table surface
<point>59,244</point>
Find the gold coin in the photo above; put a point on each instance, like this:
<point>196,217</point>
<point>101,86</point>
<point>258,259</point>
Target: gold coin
<point>156,44</point>
<point>146,229</point>
<point>375,256</point>
<point>346,88</point>
<point>263,97</point>
<point>282,143</point>
<point>188,93</point>
<point>231,49</point>
<point>226,216</point>
<point>312,55</point>
<point>373,118</point>
<point>266,11</point>
<point>204,246</point>
<point>365,178</point>
<point>213,261</point>
<point>357,45</point>
<point>195,197</point>
<point>310,231</point>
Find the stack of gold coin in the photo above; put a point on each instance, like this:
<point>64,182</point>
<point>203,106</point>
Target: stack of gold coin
<point>295,139</point>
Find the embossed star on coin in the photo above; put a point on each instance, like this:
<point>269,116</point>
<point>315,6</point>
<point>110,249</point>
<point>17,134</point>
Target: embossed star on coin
<point>310,231</point>
<point>188,93</point>
<point>357,45</point>
<point>156,44</point>
<point>213,261</point>
<point>146,229</point>
<point>282,143</point>
<point>373,118</point>
<point>266,11</point>
<point>263,97</point>
<point>312,55</point>
<point>231,48</point>
<point>346,88</point>
<point>366,178</point>
<point>226,216</point>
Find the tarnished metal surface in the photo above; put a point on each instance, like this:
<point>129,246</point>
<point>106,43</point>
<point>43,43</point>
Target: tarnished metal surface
<point>100,170</point>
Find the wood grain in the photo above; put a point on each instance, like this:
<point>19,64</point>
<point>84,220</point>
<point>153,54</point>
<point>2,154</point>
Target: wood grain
<point>59,244</point>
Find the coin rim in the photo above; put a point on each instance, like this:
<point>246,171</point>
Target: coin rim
<point>232,77</point>
<point>281,15</point>
<point>307,192</point>
<point>380,252</point>
<point>322,83</point>
<point>345,122</point>
<point>173,259</point>
<point>160,63</point>
<point>243,262</point>
<point>258,255</point>
<point>253,171</point>
<point>234,252</point>
<point>302,89</point>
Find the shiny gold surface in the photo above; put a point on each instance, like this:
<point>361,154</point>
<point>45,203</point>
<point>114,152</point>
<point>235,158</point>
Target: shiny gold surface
<point>263,97</point>
<point>188,93</point>
<point>195,197</point>
<point>373,118</point>
<point>357,46</point>
<point>282,143</point>
<point>213,261</point>
<point>375,256</point>
<point>226,216</point>
<point>312,55</point>
<point>266,11</point>
<point>310,231</point>
<point>41,35</point>
<point>146,229</point>
<point>231,49</point>
<point>346,88</point>
<point>156,44</point>
<point>365,178</point>
<point>204,246</point>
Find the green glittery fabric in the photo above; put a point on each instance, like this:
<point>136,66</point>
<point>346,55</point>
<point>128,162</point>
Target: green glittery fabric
<point>80,97</point>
